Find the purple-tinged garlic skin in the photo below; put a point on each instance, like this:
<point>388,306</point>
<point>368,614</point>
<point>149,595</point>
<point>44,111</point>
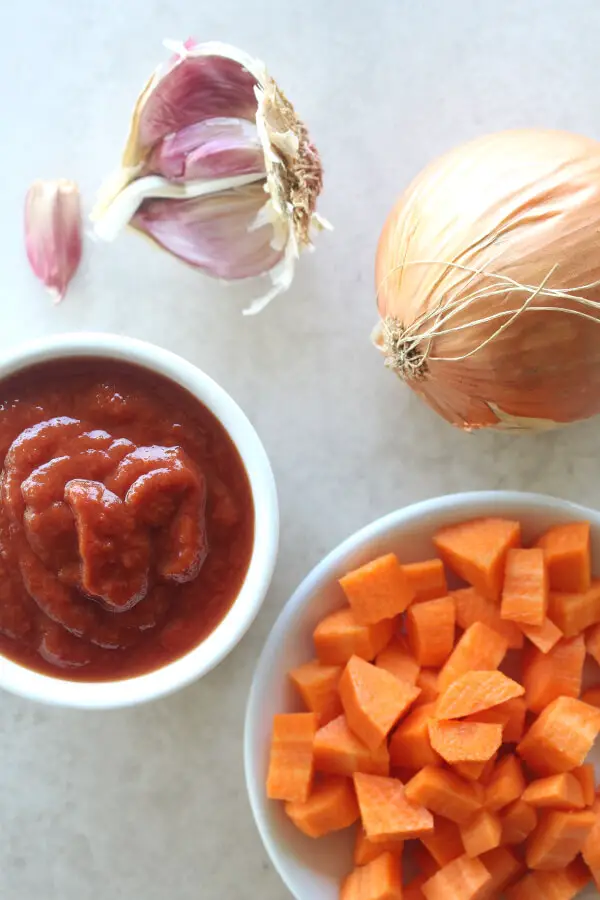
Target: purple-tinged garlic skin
<point>53,233</point>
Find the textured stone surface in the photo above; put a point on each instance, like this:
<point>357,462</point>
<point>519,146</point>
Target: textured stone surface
<point>150,803</point>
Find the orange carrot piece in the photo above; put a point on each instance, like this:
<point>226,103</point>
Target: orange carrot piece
<point>503,866</point>
<point>544,636</point>
<point>479,649</point>
<point>506,783</point>
<point>567,553</point>
<point>511,715</point>
<point>427,681</point>
<point>557,673</point>
<point>444,794</point>
<point>386,812</point>
<point>561,737</point>
<point>427,579</point>
<point>555,792</point>
<point>430,627</point>
<point>365,851</point>
<point>525,590</point>
<point>339,636</point>
<point>592,642</point>
<point>338,751</point>
<point>518,821</point>
<point>444,843</point>
<point>331,806</point>
<point>318,687</point>
<point>481,834</point>
<point>558,838</point>
<point>291,764</point>
<point>410,747</point>
<point>591,847</point>
<point>373,700</point>
<point>378,590</point>
<point>564,884</point>
<point>397,659</point>
<point>477,551</point>
<point>412,891</point>
<point>458,742</point>
<point>423,860</point>
<point>573,613</point>
<point>461,879</point>
<point>471,771</point>
<point>592,696</point>
<point>586,777</point>
<point>380,879</point>
<point>471,607</point>
<point>476,691</point>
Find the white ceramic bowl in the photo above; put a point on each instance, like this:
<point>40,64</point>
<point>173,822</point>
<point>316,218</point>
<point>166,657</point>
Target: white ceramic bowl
<point>204,657</point>
<point>312,870</point>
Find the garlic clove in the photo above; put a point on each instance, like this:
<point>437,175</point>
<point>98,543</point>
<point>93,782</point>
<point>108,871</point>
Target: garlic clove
<point>214,148</point>
<point>53,233</point>
<point>222,234</point>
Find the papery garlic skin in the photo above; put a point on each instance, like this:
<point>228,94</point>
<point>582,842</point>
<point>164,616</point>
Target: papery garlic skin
<point>53,233</point>
<point>211,123</point>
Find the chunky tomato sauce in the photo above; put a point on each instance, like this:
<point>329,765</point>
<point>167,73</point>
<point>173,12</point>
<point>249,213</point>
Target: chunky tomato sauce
<point>126,520</point>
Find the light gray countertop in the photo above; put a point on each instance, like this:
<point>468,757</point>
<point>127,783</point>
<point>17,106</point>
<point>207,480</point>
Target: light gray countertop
<point>150,803</point>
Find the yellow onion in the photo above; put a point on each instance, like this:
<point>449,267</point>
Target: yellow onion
<point>488,282</point>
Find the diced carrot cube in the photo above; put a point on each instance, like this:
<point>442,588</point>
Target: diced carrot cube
<point>592,696</point>
<point>464,878</point>
<point>427,681</point>
<point>477,551</point>
<point>338,751</point>
<point>365,851</point>
<point>410,747</point>
<point>318,686</point>
<point>586,777</point>
<point>291,763</point>
<point>564,884</point>
<point>561,737</point>
<point>591,847</point>
<point>339,636</point>
<point>380,879</point>
<point>544,636</point>
<point>330,807</point>
<point>430,626</point>
<point>471,771</point>
<point>525,591</point>
<point>557,673</point>
<point>444,843</point>
<point>482,833</point>
<point>427,579</point>
<point>511,715</point>
<point>458,742</point>
<point>592,642</point>
<point>555,792</point>
<point>373,700</point>
<point>444,794</point>
<point>471,607</point>
<point>386,811</point>
<point>506,783</point>
<point>558,838</point>
<point>573,613</point>
<point>479,649</point>
<point>378,590</point>
<point>518,821</point>
<point>568,559</point>
<point>423,860</point>
<point>397,659</point>
<point>503,866</point>
<point>476,691</point>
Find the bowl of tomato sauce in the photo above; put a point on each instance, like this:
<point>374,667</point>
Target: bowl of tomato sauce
<point>138,521</point>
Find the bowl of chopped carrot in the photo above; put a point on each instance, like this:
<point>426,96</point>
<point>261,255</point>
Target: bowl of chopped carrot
<point>423,718</point>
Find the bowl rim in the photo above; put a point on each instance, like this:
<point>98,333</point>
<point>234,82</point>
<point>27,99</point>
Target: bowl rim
<point>317,577</point>
<point>219,643</point>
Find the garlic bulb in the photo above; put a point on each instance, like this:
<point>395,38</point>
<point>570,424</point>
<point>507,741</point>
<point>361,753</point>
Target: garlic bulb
<point>53,233</point>
<point>218,169</point>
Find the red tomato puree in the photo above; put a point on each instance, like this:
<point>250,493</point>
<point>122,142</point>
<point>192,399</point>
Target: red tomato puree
<point>126,520</point>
